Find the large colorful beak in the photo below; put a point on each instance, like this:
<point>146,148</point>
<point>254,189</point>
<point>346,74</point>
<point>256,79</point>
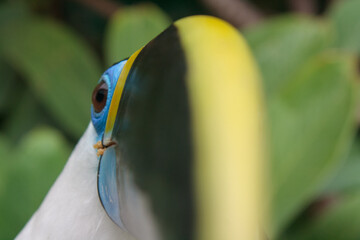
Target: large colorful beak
<point>186,117</point>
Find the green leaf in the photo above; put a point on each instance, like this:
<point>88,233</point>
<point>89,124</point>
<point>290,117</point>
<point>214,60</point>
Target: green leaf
<point>12,11</point>
<point>131,28</point>
<point>341,220</point>
<point>310,101</point>
<point>347,178</point>
<point>7,87</point>
<point>339,204</point>
<point>27,108</point>
<point>59,67</point>
<point>346,19</point>
<point>4,153</point>
<point>284,44</point>
<point>312,125</point>
<point>32,167</point>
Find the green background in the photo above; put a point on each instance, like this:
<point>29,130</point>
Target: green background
<point>53,52</point>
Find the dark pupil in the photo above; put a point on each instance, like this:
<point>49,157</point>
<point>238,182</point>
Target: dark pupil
<point>100,95</point>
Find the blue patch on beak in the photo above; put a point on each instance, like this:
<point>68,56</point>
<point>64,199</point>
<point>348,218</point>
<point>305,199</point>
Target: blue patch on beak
<point>107,185</point>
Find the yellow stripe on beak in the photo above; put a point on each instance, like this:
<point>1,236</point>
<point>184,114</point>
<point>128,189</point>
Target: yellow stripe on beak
<point>115,101</point>
<point>227,119</point>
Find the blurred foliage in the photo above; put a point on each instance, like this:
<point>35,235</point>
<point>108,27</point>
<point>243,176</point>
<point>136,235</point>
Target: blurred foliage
<point>27,173</point>
<point>346,20</point>
<point>51,58</point>
<point>67,81</point>
<point>310,94</point>
<point>132,27</point>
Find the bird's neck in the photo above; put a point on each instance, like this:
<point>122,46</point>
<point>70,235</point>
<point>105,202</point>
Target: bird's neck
<point>71,209</point>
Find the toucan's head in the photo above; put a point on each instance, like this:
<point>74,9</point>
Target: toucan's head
<point>179,135</point>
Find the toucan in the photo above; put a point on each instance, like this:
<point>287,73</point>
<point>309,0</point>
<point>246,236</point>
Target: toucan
<point>174,149</point>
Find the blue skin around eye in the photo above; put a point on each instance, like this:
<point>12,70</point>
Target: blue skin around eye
<point>110,77</point>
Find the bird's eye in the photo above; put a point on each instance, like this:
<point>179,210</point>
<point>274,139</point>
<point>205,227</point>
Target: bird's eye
<point>99,96</point>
